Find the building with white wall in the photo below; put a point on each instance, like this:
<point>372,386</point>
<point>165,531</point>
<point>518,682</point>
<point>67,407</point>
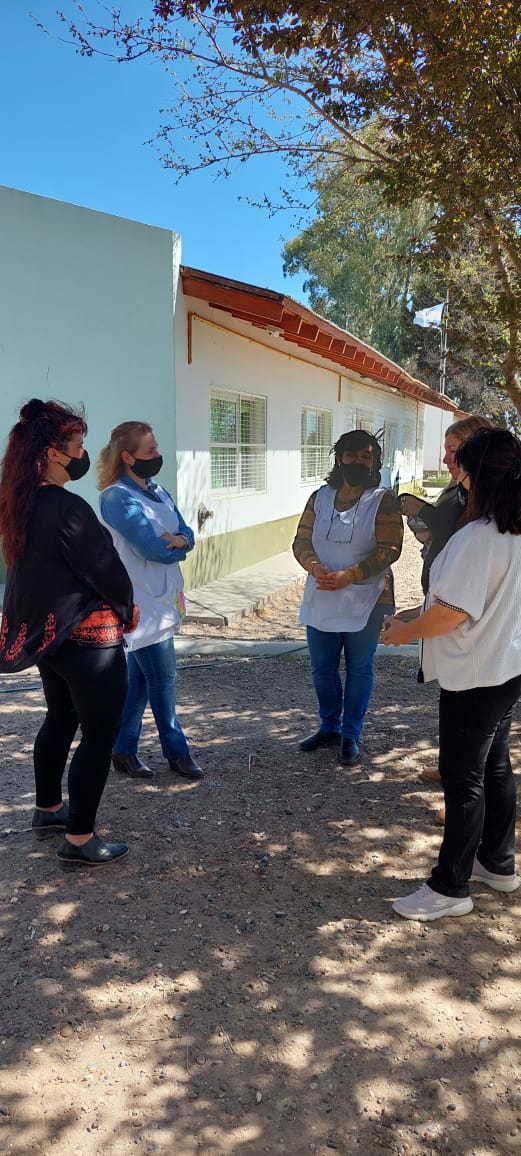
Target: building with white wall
<point>436,423</point>
<point>264,387</point>
<point>245,388</point>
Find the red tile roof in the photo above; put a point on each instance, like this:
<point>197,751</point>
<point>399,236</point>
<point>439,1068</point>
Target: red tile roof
<point>299,326</point>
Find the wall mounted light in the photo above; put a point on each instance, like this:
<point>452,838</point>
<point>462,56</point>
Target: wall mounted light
<point>202,515</point>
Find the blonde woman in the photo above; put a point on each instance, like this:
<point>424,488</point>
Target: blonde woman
<point>442,518</point>
<point>151,539</point>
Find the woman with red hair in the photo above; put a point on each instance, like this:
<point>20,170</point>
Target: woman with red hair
<point>68,600</point>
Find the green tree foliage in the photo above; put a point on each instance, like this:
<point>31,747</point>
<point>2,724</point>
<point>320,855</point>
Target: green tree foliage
<point>358,258</point>
<point>442,79</point>
<point>366,270</point>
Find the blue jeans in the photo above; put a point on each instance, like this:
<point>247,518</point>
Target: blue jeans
<point>152,678</point>
<point>325,650</point>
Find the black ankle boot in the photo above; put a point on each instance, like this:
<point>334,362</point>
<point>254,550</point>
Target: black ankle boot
<point>320,739</point>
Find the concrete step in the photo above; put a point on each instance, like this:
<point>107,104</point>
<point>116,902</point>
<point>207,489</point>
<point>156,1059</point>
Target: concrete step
<point>225,601</point>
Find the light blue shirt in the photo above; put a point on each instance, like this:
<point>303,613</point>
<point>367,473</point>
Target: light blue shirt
<point>121,508</point>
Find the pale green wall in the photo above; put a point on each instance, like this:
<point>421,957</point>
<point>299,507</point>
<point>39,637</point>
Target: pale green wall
<point>86,314</point>
<point>214,557</point>
<point>87,304</point>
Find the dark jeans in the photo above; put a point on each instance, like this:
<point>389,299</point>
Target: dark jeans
<point>480,796</point>
<point>344,710</point>
<point>84,686</point>
<point>152,678</point>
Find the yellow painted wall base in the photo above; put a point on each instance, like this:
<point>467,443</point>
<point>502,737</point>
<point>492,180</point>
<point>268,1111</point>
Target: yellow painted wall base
<point>224,554</point>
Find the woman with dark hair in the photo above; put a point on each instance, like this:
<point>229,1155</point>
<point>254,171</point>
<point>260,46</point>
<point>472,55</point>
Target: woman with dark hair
<point>349,535</point>
<point>471,642</point>
<point>152,539</point>
<point>67,602</point>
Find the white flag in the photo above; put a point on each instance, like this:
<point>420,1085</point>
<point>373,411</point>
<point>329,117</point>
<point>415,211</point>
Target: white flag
<point>431,316</point>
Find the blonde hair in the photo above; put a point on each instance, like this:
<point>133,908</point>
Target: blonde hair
<point>126,436</point>
<point>468,426</point>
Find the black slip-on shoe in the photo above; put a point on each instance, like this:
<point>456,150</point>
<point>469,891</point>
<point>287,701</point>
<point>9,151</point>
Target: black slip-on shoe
<point>47,823</point>
<point>320,739</point>
<point>95,853</point>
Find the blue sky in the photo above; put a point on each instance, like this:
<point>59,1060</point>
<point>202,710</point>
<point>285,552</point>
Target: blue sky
<point>76,130</point>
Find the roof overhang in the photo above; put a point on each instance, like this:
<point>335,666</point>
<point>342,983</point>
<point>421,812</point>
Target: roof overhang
<point>284,318</point>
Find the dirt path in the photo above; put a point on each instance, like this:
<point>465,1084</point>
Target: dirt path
<point>239,985</point>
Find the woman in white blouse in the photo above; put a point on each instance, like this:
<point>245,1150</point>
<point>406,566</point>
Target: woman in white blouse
<point>470,636</point>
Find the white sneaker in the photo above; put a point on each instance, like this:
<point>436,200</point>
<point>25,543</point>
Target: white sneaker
<point>498,882</point>
<point>427,904</point>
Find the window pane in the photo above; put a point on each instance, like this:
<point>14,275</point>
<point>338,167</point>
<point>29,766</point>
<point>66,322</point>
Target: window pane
<point>308,464</point>
<point>253,469</point>
<point>323,462</point>
<point>253,421</point>
<point>223,420</point>
<point>311,427</point>
<point>237,441</point>
<point>324,428</point>
<point>316,437</point>
<point>223,464</point>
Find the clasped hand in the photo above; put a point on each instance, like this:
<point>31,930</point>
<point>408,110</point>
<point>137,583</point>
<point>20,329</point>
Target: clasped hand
<point>327,579</point>
<point>174,541</point>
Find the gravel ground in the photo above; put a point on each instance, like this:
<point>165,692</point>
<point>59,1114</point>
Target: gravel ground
<point>239,985</point>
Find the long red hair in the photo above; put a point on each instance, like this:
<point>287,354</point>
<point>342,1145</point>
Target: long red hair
<point>41,424</point>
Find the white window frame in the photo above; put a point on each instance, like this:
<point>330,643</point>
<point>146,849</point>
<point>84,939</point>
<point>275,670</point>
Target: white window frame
<point>238,446</point>
<point>321,450</point>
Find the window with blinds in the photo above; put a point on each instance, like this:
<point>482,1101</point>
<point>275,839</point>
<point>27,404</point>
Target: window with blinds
<point>315,443</point>
<point>237,442</point>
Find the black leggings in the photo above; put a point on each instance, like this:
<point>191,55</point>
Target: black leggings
<point>480,793</point>
<point>84,686</point>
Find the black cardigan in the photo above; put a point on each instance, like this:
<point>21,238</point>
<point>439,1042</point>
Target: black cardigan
<point>68,568</point>
<point>442,519</point>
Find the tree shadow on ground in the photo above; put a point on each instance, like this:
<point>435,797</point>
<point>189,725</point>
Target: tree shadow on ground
<point>240,984</point>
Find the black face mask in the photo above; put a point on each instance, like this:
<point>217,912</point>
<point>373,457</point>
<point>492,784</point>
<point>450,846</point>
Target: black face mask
<point>463,495</point>
<point>356,474</point>
<point>145,468</point>
<point>78,467</point>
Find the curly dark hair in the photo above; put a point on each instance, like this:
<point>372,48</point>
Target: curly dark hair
<point>355,439</point>
<point>492,460</point>
<point>41,424</point>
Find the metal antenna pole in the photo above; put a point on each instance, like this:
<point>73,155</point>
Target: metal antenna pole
<point>444,342</point>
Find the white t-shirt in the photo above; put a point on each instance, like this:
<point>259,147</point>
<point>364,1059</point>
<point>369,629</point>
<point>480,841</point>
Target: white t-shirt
<point>479,572</point>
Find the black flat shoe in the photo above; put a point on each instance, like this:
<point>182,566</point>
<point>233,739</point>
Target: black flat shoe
<point>47,823</point>
<point>349,752</point>
<point>320,739</point>
<point>131,765</point>
<point>187,767</point>
<point>95,853</point>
